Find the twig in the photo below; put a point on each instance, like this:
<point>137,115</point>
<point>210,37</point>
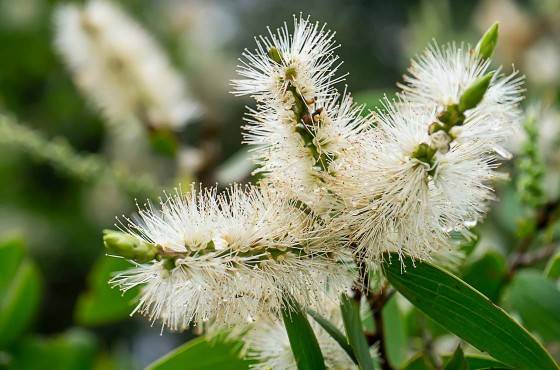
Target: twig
<point>546,215</point>
<point>376,303</point>
<point>528,259</point>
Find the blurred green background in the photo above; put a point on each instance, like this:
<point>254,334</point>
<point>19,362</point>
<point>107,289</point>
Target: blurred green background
<point>56,211</point>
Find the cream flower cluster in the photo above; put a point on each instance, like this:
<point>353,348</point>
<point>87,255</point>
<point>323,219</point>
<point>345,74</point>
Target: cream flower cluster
<point>404,177</point>
<point>427,167</point>
<point>442,74</point>
<point>228,257</point>
<point>120,67</point>
<point>301,124</point>
<point>335,185</point>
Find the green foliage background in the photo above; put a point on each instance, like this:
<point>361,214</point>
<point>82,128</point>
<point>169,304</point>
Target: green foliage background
<point>55,306</point>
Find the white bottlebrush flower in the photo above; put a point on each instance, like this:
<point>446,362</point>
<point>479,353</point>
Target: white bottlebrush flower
<point>296,169</point>
<point>120,67</point>
<point>229,257</point>
<point>396,202</point>
<point>441,75</point>
<point>301,124</point>
<point>268,344</point>
<point>304,60</point>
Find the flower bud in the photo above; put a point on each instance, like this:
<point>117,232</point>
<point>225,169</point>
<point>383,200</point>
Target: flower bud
<point>474,94</point>
<point>128,246</point>
<point>487,43</point>
<point>275,55</point>
<point>440,141</point>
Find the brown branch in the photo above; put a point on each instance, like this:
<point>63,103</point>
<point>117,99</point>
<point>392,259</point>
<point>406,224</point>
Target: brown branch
<point>546,215</point>
<point>528,259</point>
<point>376,302</point>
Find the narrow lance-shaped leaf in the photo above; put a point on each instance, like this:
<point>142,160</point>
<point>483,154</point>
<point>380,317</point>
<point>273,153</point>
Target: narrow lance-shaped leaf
<point>420,362</point>
<point>305,346</point>
<point>333,331</point>
<point>354,333</point>
<point>468,314</point>
<point>458,361</point>
<point>394,329</point>
<point>201,354</point>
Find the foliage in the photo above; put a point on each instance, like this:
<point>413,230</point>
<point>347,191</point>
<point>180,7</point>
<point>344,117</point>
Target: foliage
<point>67,168</point>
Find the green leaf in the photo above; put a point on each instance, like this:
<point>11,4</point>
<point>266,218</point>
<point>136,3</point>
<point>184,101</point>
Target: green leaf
<point>467,313</point>
<point>552,270</point>
<point>395,332</point>
<point>537,300</point>
<point>417,362</point>
<point>354,332</point>
<point>458,361</point>
<point>305,346</point>
<point>333,331</point>
<point>102,304</point>
<point>20,291</point>
<point>73,350</point>
<point>487,274</point>
<point>475,362</point>
<point>200,354</point>
<point>478,361</point>
<point>12,252</point>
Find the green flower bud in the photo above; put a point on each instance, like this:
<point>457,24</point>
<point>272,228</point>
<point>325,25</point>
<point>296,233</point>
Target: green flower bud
<point>451,117</point>
<point>275,55</point>
<point>424,153</point>
<point>128,246</point>
<point>474,94</point>
<point>487,43</point>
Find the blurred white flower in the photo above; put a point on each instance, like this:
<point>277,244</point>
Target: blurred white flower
<point>229,258</point>
<point>120,68</point>
<point>542,62</point>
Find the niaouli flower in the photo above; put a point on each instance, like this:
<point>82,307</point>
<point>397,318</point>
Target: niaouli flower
<point>302,123</point>
<point>442,75</point>
<point>295,157</point>
<point>303,63</point>
<point>120,68</point>
<point>426,168</point>
<point>228,258</point>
